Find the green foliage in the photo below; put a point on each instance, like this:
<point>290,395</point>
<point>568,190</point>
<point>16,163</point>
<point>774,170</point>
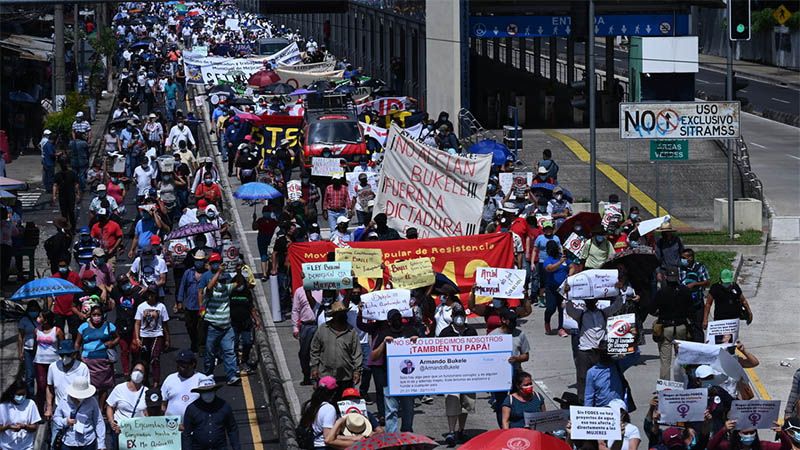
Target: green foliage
<point>762,20</point>
<point>794,22</point>
<point>103,41</point>
<point>715,262</point>
<point>60,122</point>
<point>747,237</point>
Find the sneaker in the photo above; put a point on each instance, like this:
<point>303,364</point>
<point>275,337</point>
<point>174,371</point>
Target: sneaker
<point>563,333</point>
<point>427,399</point>
<point>450,439</point>
<point>234,381</point>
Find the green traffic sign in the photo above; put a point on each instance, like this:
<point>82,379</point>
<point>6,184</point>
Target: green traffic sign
<point>669,150</point>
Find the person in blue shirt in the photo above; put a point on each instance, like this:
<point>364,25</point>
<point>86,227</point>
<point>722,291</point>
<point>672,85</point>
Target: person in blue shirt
<point>48,160</point>
<point>541,248</point>
<point>556,268</point>
<point>234,135</point>
<point>603,380</point>
<point>171,97</point>
<point>187,300</point>
<point>84,246</point>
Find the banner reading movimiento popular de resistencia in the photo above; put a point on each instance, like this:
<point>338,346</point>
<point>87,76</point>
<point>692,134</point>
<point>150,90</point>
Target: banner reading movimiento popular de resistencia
<point>438,193</point>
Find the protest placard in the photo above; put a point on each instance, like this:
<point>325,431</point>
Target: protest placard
<point>326,167</point>
<point>516,180</point>
<point>327,275</point>
<point>759,414</point>
<point>423,187</point>
<point>696,353</point>
<point>150,433</point>
<point>668,385</point>
<point>232,24</point>
<point>230,256</point>
<point>366,261</point>
<point>722,332</point>
<point>294,190</point>
<point>593,283</point>
<point>540,220</point>
<point>352,181</point>
<point>620,334</point>
<point>547,421</point>
<point>570,323</point>
<point>688,405</point>
<point>350,406</point>
<point>574,244</point>
<point>375,305</point>
<point>501,283</point>
<point>595,423</point>
<point>412,273</point>
<point>450,365</point>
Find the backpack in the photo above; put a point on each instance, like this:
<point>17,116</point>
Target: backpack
<point>305,437</point>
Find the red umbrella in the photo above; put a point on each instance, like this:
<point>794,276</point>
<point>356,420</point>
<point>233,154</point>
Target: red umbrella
<point>395,441</point>
<point>263,78</point>
<point>587,219</point>
<point>250,117</point>
<point>514,438</point>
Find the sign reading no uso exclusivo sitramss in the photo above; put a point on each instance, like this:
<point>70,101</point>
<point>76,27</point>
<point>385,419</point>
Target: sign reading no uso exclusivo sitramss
<point>679,120</point>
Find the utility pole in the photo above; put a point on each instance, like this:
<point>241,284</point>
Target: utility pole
<point>59,85</point>
<point>592,106</point>
<point>76,38</point>
<point>731,142</point>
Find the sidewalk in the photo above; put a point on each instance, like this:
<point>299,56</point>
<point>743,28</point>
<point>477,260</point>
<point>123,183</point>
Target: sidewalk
<point>748,69</point>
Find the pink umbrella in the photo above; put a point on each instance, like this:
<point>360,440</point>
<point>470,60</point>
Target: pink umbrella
<point>263,78</point>
<point>250,117</point>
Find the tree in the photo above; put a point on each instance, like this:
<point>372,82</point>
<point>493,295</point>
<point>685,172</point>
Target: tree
<point>104,43</point>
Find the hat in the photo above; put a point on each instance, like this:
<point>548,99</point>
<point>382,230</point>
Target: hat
<point>351,392</point>
<point>327,382</point>
<point>618,404</point>
<point>509,208</point>
<point>81,389</point>
<point>101,188</point>
<point>547,224</point>
<point>672,437</point>
<point>558,189</point>
<point>542,170</point>
<point>47,132</point>
<point>726,276</point>
<point>206,384</point>
<point>705,371</point>
<point>337,176</point>
<point>355,424</point>
<point>153,398</point>
<point>666,227</point>
<point>215,257</point>
<point>152,115</point>
<point>342,219</point>
<point>185,356</point>
<point>98,251</point>
<point>314,226</point>
<point>66,347</point>
<point>83,230</point>
<point>672,274</point>
<point>200,254</point>
<point>336,307</point>
<point>201,204</point>
<point>155,240</point>
<point>79,114</point>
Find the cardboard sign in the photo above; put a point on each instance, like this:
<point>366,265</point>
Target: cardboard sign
<point>366,261</point>
<point>722,332</point>
<point>574,244</point>
<point>572,324</point>
<point>595,423</point>
<point>547,421</point>
<point>668,385</point>
<point>375,305</point>
<point>450,365</point>
<point>620,334</point>
<point>326,167</point>
<point>230,255</point>
<point>412,273</point>
<point>688,405</point>
<point>349,406</point>
<point>517,180</point>
<point>150,433</point>
<point>696,353</point>
<point>593,283</point>
<point>501,283</point>
<point>759,414</point>
<point>294,190</point>
<point>327,275</point>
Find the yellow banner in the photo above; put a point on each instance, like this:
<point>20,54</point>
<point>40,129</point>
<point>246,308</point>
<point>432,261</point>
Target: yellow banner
<point>366,261</point>
<point>412,273</point>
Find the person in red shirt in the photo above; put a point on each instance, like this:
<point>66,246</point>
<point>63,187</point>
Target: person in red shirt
<point>541,177</point>
<point>62,307</point>
<point>209,190</point>
<point>109,233</point>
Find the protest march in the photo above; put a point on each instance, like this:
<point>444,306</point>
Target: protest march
<point>276,249</point>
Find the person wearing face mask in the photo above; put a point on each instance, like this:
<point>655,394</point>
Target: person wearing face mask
<point>47,337</point>
<point>520,352</point>
<point>62,307</point>
<point>559,207</point>
<point>443,315</point>
<point>84,246</point>
<point>727,299</point>
<point>336,349</point>
<point>103,276</point>
<point>26,342</point>
<point>214,297</point>
<point>458,406</point>
<point>151,332</point>
<point>177,387</point>
<point>126,300</point>
<point>234,135</point>
<point>180,132</point>
<point>187,300</point>
<point>109,234</point>
<point>673,307</point>
<point>58,246</point>
<point>97,202</point>
<point>126,401</point>
<point>745,438</point>
<point>244,319</point>
<point>145,177</point>
<point>61,374</point>
<point>336,201</point>
<point>208,423</point>
<point>523,399</point>
<point>360,204</point>
<point>206,169</point>
<point>97,340</point>
<point>79,418</point>
<point>148,269</point>
<point>19,418</point>
<point>791,432</point>
<point>209,190</point>
<point>598,250</point>
<point>340,234</point>
<point>247,164</point>
<point>266,226</point>
<point>694,275</point>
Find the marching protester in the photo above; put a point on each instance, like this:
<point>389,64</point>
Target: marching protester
<point>19,418</point>
<point>208,422</point>
<point>126,400</point>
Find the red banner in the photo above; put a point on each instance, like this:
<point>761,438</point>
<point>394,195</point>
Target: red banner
<point>456,257</point>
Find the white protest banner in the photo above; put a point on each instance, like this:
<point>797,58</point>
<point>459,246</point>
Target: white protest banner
<point>375,132</point>
<point>759,414</point>
<point>450,365</point>
<point>299,79</point>
<point>375,305</point>
<point>150,433</point>
<point>722,332</point>
<point>324,66</point>
<point>232,24</point>
<point>438,193</point>
<point>294,190</point>
<point>679,120</point>
<point>668,385</point>
<point>696,353</point>
<point>498,282</point>
<point>327,275</point>
<point>350,406</point>
<point>570,323</point>
<point>516,180</point>
<point>326,167</point>
<point>574,244</point>
<point>352,181</point>
<point>593,283</point>
<point>688,405</point>
<point>619,332</point>
<point>547,421</point>
<point>595,423</point>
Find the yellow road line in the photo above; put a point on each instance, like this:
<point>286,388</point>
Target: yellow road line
<point>613,174</point>
<point>252,413</point>
<point>756,381</point>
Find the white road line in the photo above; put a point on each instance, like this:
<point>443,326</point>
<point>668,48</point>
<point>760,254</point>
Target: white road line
<point>780,100</point>
<point>792,156</point>
<point>617,60</point>
<point>703,81</point>
<point>758,145</point>
<point>744,91</point>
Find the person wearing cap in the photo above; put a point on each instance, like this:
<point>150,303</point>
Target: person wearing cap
<point>340,234</point>
<point>208,422</point>
<point>126,300</point>
<point>542,177</point>
<point>62,306</point>
<point>149,224</point>
<point>84,246</point>
<point>127,400</point>
<point>604,380</point>
<point>673,307</point>
<point>153,403</point>
<point>48,150</point>
<point>597,250</point>
<point>559,207</point>
<point>244,318</point>
<point>145,177</point>
<point>694,275</point>
<point>61,374</point>
<point>540,246</point>
<point>209,190</point>
<point>361,202</point>
<point>669,249</point>
<point>148,269</point>
<point>104,276</point>
<point>103,200</point>
<point>153,131</point>
<point>129,142</point>
<point>79,414</point>
<point>235,132</point>
<point>109,235</point>
<point>81,126</point>
<point>336,349</point>
<point>79,158</point>
<point>177,387</point>
<point>214,297</point>
<point>336,202</point>
<point>380,227</point>
<point>187,301</point>
<point>548,163</point>
<point>247,164</point>
<point>727,299</point>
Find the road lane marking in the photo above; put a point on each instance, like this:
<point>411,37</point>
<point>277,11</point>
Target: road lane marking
<point>703,81</point>
<point>613,174</point>
<point>792,156</point>
<point>252,413</point>
<point>758,145</point>
<point>780,100</point>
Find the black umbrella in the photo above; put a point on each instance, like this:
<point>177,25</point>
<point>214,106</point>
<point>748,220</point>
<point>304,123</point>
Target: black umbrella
<point>238,101</point>
<point>639,264</point>
<point>278,88</point>
<point>321,86</point>
<point>222,88</point>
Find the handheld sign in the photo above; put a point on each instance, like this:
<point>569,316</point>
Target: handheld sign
<point>593,283</point>
<point>375,305</point>
<point>327,275</point>
<point>722,332</point>
<point>366,261</point>
<point>620,333</point>
<point>412,273</point>
<point>668,385</point>
<point>547,421</point>
<point>326,167</point>
<point>595,423</point>
<point>294,190</point>
<point>150,433</point>
<point>501,283</point>
<point>688,405</point>
<point>574,244</point>
<point>758,414</point>
<point>350,406</point>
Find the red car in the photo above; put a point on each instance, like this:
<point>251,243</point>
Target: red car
<point>333,132</point>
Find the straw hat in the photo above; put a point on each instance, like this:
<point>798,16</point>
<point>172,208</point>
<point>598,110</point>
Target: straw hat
<point>356,424</point>
<point>666,226</point>
<point>81,389</point>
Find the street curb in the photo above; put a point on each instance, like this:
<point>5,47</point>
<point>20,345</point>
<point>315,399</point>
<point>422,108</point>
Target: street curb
<point>280,393</point>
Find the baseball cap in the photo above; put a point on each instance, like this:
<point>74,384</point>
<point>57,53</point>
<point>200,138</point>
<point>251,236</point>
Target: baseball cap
<point>215,257</point>
<point>726,276</point>
<point>542,171</point>
<point>672,437</point>
<point>185,356</point>
<point>342,219</point>
<point>47,132</point>
<point>704,371</point>
<point>79,114</point>
<point>351,392</point>
<point>153,398</point>
<point>101,188</point>
<point>98,251</point>
<point>83,230</point>
<point>327,382</point>
<point>547,224</point>
<point>155,240</point>
<point>201,204</point>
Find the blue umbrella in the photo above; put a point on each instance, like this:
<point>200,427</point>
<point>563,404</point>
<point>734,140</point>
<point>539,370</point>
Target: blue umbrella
<point>45,287</point>
<point>256,191</point>
<point>500,153</point>
<point>301,91</point>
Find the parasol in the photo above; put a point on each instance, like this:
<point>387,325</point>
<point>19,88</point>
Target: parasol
<point>45,287</point>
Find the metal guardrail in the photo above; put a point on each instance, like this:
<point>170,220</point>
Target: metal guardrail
<point>752,187</point>
<point>470,131</point>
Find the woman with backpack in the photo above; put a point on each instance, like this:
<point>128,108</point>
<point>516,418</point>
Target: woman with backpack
<point>125,303</point>
<point>315,430</point>
<point>96,339</point>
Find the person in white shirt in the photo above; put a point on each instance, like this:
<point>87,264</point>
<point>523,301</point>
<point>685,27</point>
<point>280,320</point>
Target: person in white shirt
<point>180,132</point>
<point>177,387</point>
<point>127,400</point>
<point>151,332</point>
<point>19,418</point>
<point>144,175</point>
<point>444,312</point>
<point>61,374</point>
<point>148,269</point>
<point>81,417</point>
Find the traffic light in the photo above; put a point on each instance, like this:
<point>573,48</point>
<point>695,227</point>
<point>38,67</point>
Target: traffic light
<point>739,20</point>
